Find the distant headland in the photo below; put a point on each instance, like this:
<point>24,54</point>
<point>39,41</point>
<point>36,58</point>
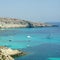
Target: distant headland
<point>18,23</point>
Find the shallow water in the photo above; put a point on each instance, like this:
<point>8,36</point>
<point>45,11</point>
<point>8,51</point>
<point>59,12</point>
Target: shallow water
<point>42,44</point>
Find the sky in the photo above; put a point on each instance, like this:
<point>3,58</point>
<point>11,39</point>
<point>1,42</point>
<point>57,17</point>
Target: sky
<point>34,10</point>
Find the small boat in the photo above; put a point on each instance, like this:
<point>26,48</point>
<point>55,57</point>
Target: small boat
<point>28,36</point>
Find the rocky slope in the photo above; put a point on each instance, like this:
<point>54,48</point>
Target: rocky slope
<point>14,23</point>
<point>8,53</point>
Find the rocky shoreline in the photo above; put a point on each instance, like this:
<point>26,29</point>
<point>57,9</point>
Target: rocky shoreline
<point>18,23</point>
<point>9,54</point>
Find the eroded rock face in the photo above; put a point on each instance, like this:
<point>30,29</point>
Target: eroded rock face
<point>14,23</point>
<point>8,53</point>
<point>5,56</point>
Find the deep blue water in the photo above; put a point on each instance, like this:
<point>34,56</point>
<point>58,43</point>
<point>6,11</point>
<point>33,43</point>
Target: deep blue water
<point>42,44</point>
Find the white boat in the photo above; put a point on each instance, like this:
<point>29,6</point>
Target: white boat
<point>28,36</point>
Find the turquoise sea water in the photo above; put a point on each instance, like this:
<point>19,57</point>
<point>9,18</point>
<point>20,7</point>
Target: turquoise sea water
<point>42,43</point>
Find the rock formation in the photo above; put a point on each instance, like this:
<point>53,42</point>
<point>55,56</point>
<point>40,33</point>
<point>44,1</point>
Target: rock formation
<point>8,53</point>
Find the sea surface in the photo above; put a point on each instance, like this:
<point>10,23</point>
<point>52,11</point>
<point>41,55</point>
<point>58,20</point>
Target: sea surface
<point>40,43</point>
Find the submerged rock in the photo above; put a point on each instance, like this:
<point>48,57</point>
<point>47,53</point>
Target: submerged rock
<point>8,53</point>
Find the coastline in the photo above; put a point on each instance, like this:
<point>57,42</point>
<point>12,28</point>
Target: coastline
<point>17,23</point>
<point>10,54</point>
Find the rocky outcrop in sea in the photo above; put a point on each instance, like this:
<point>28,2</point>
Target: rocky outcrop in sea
<point>9,54</point>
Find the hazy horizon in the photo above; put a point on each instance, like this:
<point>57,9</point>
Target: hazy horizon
<point>34,10</point>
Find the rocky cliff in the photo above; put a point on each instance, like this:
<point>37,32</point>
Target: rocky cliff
<point>8,53</point>
<point>15,23</point>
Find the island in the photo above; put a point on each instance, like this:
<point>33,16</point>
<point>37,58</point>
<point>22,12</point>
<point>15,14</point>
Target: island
<point>18,23</point>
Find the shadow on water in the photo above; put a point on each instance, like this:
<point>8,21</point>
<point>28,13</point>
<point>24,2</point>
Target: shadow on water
<point>42,52</point>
